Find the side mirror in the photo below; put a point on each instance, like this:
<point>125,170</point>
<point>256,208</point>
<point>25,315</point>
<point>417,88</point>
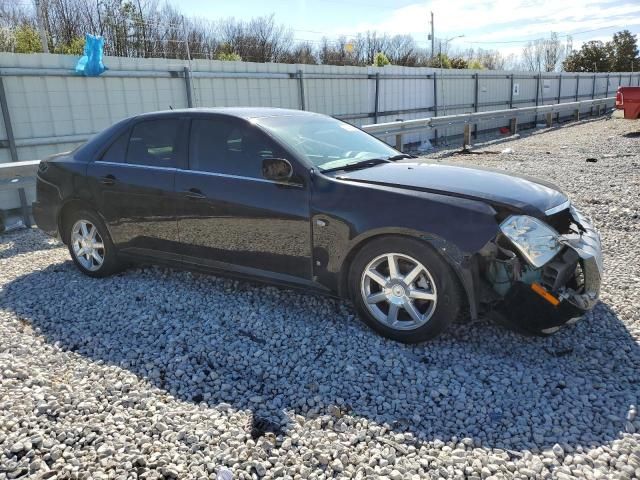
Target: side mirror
<point>277,169</point>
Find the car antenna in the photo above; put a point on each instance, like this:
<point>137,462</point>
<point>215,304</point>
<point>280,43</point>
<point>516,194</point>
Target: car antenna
<point>170,107</point>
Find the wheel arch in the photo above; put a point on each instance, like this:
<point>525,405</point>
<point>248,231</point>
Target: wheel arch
<point>461,264</point>
<point>71,205</point>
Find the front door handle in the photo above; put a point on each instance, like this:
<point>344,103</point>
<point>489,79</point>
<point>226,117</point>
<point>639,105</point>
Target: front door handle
<point>108,180</point>
<point>194,194</point>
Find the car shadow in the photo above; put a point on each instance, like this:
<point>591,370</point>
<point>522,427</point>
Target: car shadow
<point>276,352</point>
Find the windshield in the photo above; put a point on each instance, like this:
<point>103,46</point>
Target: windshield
<point>326,142</point>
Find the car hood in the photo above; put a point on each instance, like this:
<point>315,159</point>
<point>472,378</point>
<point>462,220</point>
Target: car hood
<point>499,188</point>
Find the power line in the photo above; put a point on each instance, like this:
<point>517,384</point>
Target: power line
<point>542,38</point>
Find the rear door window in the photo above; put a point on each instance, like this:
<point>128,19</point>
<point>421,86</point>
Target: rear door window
<point>153,143</point>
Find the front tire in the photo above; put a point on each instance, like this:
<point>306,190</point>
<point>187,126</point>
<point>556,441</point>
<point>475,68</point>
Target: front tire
<point>404,289</point>
<point>90,245</point>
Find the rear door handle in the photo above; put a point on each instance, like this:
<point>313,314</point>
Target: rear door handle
<point>194,193</point>
<point>108,180</point>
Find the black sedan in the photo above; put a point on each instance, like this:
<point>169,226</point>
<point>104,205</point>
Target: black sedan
<point>304,200</point>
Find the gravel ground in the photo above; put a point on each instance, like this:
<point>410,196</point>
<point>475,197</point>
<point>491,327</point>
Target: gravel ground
<point>156,373</point>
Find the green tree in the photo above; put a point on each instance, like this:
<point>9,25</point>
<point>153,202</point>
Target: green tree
<point>593,56</point>
<point>27,40</point>
<point>476,65</point>
<point>228,57</point>
<point>441,60</point>
<point>380,60</point>
<point>76,47</point>
<point>624,52</point>
<point>459,63</point>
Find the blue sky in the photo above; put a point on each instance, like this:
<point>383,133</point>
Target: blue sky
<point>506,25</point>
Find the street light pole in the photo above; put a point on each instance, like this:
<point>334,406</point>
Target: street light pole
<point>433,38</point>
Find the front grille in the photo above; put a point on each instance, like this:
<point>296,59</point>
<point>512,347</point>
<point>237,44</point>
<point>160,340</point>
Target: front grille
<point>559,271</point>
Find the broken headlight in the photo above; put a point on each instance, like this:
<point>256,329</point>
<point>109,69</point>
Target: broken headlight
<point>534,239</point>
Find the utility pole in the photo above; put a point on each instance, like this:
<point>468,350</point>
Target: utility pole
<point>433,38</point>
<point>43,33</point>
<point>186,40</point>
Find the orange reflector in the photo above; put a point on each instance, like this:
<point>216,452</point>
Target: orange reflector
<point>540,290</point>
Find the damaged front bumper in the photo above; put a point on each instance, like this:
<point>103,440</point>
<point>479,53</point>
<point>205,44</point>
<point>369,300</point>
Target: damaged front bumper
<point>587,245</point>
<point>541,300</point>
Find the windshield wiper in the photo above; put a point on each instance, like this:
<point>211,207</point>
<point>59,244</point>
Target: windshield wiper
<point>357,165</point>
<point>401,156</point>
<point>370,162</point>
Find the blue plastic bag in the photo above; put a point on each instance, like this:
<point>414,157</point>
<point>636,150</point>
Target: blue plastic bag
<point>90,64</point>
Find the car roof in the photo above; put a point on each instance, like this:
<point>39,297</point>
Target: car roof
<point>246,113</point>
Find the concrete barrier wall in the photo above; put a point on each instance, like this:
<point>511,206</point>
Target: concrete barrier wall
<point>52,109</point>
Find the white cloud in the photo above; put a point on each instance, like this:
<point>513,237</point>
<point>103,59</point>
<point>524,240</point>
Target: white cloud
<point>508,20</point>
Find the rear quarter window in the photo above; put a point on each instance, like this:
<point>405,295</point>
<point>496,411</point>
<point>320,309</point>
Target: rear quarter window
<point>117,151</point>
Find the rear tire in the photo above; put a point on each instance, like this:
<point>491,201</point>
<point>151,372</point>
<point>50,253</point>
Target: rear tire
<point>404,289</point>
<point>90,245</point>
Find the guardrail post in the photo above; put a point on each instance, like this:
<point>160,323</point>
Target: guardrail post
<point>549,119</point>
<point>466,138</point>
<point>301,90</point>
<point>475,106</point>
<point>435,104</point>
<point>26,217</point>
<point>376,105</point>
<point>187,84</point>
<point>513,126</point>
<point>576,114</point>
<point>399,142</point>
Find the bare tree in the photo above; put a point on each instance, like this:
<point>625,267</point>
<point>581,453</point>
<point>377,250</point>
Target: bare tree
<point>490,59</point>
<point>532,56</point>
<point>300,53</point>
<point>340,52</point>
<point>544,54</point>
<point>402,50</point>
<point>144,28</point>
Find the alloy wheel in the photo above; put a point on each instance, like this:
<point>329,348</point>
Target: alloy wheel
<point>87,244</point>
<point>398,291</point>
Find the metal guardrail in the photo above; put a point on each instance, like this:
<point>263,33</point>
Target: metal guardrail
<point>16,175</point>
<point>402,127</point>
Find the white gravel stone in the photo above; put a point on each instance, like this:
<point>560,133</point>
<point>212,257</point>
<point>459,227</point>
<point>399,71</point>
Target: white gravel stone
<point>157,373</point>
